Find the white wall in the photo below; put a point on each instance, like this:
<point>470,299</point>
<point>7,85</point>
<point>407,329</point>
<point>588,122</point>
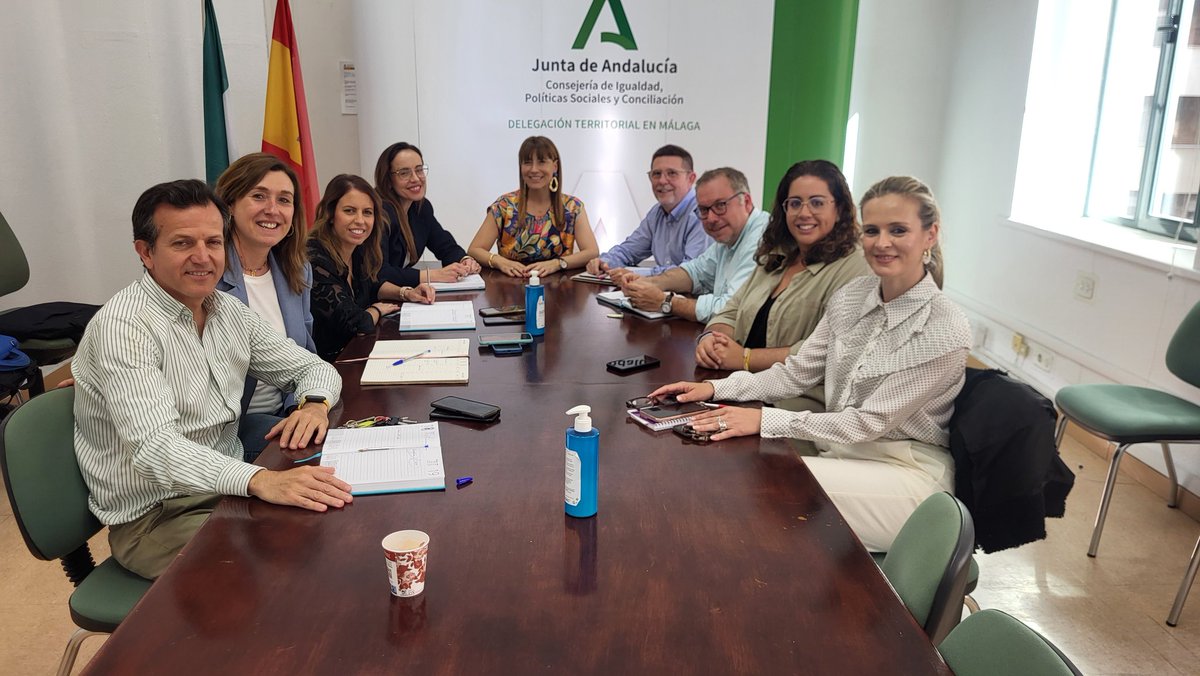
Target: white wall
<point>102,100</point>
<point>899,89</point>
<point>1010,277</point>
<point>325,30</point>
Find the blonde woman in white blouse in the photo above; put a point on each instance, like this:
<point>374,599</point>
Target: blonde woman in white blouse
<point>891,351</point>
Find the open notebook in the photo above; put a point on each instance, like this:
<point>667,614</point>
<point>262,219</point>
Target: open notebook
<point>441,316</point>
<point>617,299</point>
<point>425,361</point>
<point>393,459</point>
<point>603,279</point>
<point>468,283</point>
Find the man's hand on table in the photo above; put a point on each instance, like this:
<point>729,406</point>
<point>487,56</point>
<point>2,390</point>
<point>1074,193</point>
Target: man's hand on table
<point>643,294</point>
<point>307,423</point>
<point>309,487</point>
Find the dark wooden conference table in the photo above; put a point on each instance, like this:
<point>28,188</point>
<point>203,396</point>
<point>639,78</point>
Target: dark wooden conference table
<point>718,558</point>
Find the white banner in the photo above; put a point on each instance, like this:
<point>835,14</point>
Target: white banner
<point>608,81</point>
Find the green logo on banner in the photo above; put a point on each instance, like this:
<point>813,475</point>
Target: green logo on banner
<point>624,38</point>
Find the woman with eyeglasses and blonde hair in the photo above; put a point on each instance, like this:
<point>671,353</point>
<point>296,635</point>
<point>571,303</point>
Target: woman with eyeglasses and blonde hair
<point>536,227</point>
<point>808,251</point>
<point>265,268</point>
<point>349,297</point>
<point>410,226</point>
<point>891,351</point>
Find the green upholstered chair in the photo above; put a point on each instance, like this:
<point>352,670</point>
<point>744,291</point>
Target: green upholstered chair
<point>972,580</point>
<point>14,275</point>
<point>992,643</point>
<point>50,503</point>
<point>1126,415</point>
<point>930,561</point>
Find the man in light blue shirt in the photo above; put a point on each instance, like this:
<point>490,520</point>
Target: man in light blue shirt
<point>726,208</point>
<point>671,231</point>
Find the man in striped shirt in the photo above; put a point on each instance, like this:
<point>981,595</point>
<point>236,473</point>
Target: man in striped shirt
<point>159,377</point>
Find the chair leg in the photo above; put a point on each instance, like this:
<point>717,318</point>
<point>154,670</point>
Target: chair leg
<point>1173,498</point>
<point>68,659</point>
<point>1185,586</point>
<point>1109,484</point>
<point>971,604</point>
<point>1059,429</point>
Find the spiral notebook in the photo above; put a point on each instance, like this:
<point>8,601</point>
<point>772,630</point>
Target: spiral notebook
<point>395,459</point>
<point>658,425</point>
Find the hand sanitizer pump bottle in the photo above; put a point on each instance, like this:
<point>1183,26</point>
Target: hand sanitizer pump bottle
<point>535,306</point>
<point>583,448</point>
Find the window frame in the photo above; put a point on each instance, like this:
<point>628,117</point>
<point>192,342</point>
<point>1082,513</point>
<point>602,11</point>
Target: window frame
<point>1181,229</point>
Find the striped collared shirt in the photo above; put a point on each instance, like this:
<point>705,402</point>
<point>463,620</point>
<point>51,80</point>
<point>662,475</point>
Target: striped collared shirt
<point>156,403</point>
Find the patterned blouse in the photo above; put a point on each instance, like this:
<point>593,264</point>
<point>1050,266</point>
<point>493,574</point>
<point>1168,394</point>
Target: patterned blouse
<point>539,238</point>
<point>339,307</point>
<point>891,370</point>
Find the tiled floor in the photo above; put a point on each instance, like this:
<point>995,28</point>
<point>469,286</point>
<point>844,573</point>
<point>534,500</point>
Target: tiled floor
<point>1107,613</point>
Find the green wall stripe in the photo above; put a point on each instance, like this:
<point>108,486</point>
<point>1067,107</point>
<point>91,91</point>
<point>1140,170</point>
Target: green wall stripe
<point>812,62</point>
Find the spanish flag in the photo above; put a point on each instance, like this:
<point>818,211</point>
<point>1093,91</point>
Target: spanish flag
<point>285,123</point>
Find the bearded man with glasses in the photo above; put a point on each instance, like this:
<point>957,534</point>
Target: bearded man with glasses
<point>726,210</point>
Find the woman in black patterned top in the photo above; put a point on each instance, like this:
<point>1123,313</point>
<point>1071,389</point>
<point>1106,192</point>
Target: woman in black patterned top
<point>348,298</point>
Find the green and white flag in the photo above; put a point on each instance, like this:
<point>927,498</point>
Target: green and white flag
<point>218,138</point>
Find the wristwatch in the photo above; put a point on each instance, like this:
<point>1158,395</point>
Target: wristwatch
<point>666,304</point>
<point>316,399</point>
<point>562,264</point>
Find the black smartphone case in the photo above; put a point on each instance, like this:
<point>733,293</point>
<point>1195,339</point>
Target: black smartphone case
<point>466,409</point>
<point>504,320</point>
<point>441,414</point>
<point>632,364</point>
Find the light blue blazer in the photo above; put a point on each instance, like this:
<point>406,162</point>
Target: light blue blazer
<point>297,317</point>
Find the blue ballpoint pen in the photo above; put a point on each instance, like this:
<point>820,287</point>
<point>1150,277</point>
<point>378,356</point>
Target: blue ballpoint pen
<point>404,359</point>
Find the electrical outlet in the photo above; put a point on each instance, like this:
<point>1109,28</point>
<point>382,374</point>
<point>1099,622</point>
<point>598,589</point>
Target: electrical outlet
<point>1085,285</point>
<point>1043,359</point>
<point>1019,345</point>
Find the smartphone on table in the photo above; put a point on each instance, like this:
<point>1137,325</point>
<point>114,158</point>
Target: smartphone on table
<point>457,408</point>
<point>632,364</point>
<point>505,320</point>
<point>502,310</point>
<point>505,339</point>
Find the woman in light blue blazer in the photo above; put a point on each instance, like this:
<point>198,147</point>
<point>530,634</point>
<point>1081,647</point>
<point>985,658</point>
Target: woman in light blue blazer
<point>266,268</point>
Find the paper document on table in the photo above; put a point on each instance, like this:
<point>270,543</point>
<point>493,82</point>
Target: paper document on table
<point>454,370</point>
<point>402,349</point>
<point>468,283</point>
<point>441,316</point>
<point>386,459</point>
<point>619,300</point>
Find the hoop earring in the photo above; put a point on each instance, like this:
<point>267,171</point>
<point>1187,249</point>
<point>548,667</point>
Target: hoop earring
<point>927,257</point>
<point>554,183</point>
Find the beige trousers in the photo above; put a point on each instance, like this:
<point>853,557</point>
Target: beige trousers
<point>149,543</point>
<point>876,485</point>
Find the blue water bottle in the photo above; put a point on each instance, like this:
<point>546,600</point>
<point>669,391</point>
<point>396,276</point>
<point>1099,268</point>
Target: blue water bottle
<point>535,306</point>
<point>583,450</point>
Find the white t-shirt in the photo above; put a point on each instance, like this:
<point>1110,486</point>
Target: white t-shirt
<point>261,297</point>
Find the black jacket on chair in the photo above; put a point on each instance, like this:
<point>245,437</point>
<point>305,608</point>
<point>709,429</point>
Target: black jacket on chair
<point>1006,469</point>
